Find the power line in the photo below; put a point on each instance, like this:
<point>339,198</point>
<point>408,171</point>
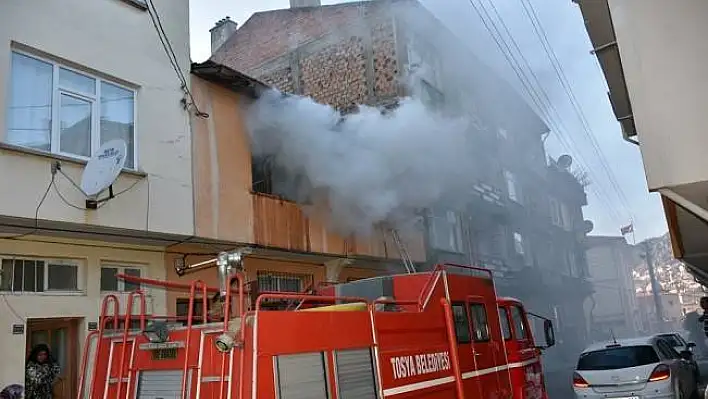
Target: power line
<point>530,89</point>
<point>169,51</point>
<point>560,73</point>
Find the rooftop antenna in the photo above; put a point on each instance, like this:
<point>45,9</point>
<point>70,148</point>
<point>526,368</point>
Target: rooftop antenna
<point>612,334</point>
<point>102,171</point>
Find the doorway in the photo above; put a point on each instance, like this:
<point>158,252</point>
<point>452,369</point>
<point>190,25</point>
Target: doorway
<point>61,335</point>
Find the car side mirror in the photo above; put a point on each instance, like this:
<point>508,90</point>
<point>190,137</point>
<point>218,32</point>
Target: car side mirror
<point>691,345</point>
<point>686,355</point>
<point>549,333</point>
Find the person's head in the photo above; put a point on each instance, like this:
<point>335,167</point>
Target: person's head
<point>40,354</point>
<point>704,303</point>
<point>14,391</point>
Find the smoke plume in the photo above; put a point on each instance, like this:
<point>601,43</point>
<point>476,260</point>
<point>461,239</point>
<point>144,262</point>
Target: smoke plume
<point>365,168</point>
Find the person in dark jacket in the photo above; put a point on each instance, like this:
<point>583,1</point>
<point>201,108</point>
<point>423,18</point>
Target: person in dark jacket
<point>41,372</point>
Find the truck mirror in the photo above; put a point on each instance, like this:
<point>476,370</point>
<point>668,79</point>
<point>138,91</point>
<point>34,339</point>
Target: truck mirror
<point>548,331</point>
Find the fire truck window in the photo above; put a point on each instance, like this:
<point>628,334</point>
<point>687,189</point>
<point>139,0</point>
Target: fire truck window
<point>480,326</point>
<point>504,318</point>
<point>517,316</point>
<point>462,323</point>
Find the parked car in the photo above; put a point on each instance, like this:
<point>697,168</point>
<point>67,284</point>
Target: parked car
<point>677,341</point>
<point>632,369</point>
<point>683,347</point>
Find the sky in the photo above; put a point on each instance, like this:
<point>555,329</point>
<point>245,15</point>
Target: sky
<point>589,132</point>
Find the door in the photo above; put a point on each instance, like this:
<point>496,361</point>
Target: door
<point>61,335</point>
<point>485,341</point>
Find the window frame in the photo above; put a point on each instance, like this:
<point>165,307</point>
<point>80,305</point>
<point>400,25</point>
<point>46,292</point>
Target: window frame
<point>524,326</point>
<point>121,270</point>
<point>79,264</point>
<point>513,190</point>
<point>521,245</point>
<point>506,329</point>
<point>453,229</point>
<point>95,99</point>
<point>466,324</point>
<point>473,322</point>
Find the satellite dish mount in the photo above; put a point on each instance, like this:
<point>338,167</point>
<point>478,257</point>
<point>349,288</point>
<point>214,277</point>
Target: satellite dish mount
<point>102,171</point>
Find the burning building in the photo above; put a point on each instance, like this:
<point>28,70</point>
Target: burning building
<point>522,212</point>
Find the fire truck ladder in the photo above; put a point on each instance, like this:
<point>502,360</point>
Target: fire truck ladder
<point>403,251</point>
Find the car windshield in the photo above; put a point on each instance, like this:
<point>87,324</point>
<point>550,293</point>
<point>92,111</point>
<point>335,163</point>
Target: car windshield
<point>618,358</point>
<point>671,339</point>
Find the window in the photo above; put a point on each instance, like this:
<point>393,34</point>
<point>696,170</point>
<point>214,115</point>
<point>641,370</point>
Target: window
<point>445,231</point>
<point>480,326</point>
<point>39,275</point>
<point>518,243</point>
<point>560,215</point>
<point>618,358</point>
<point>272,282</point>
<point>517,316</point>
<point>55,109</point>
<point>462,323</point>
<point>109,281</point>
<point>512,187</point>
<point>504,318</point>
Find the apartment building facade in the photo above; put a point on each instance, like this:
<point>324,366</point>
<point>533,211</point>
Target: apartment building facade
<point>74,75</point>
<point>524,216</point>
<point>614,307</point>
<point>652,55</point>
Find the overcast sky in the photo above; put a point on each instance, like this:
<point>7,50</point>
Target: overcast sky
<point>563,24</point>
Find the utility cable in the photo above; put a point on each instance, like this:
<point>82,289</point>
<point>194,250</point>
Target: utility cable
<point>528,86</point>
<point>36,213</point>
<point>560,73</point>
<point>169,51</point>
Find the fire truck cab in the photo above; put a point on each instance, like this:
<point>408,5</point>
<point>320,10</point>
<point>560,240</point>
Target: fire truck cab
<point>437,334</point>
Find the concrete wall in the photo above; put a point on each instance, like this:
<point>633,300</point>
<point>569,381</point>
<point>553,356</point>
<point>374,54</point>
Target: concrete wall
<point>84,305</point>
<point>664,52</point>
<point>112,39</point>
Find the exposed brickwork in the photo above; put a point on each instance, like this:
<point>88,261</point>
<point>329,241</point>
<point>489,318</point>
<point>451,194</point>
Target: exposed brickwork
<point>385,60</point>
<point>334,44</point>
<point>336,75</point>
<point>282,79</point>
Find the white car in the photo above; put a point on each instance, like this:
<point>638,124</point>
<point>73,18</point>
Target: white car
<point>637,368</point>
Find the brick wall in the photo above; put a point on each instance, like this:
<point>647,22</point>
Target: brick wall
<point>338,55</point>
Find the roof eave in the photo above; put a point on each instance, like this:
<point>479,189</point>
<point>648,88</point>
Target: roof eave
<point>229,78</point>
<point>598,23</point>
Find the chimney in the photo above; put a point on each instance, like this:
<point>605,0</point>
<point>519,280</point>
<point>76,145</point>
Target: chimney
<point>221,32</point>
<point>305,3</point>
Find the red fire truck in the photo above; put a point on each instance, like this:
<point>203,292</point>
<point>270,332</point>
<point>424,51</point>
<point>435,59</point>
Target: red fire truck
<point>437,334</point>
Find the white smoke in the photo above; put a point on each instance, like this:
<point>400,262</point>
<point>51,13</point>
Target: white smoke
<point>364,168</point>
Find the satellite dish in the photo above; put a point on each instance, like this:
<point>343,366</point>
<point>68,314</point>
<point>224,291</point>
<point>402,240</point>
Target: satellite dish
<point>564,161</point>
<point>103,169</point>
<point>588,226</point>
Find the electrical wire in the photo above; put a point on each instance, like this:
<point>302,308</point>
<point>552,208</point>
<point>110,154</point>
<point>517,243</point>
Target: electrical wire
<point>12,309</point>
<point>533,92</point>
<point>560,73</point>
<point>36,213</point>
<point>169,51</point>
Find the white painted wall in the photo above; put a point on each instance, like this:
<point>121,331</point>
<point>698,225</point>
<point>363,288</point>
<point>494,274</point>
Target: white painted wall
<point>664,55</point>
<point>85,305</point>
<point>116,40</point>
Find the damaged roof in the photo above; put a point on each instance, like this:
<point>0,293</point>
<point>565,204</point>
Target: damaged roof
<point>229,78</point>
